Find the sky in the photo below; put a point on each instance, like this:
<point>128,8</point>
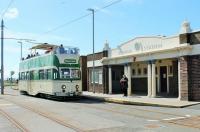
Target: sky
<point>125,20</point>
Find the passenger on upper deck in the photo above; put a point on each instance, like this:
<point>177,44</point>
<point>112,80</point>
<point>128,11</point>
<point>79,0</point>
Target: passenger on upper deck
<point>61,49</point>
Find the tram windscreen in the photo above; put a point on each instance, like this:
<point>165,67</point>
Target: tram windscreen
<point>65,73</point>
<point>75,73</point>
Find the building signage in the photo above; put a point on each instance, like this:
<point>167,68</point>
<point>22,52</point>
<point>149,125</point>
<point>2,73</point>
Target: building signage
<point>70,61</point>
<point>144,47</point>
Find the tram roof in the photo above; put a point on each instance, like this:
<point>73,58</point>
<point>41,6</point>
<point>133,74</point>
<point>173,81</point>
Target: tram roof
<point>44,46</point>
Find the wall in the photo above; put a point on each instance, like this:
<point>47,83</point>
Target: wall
<point>83,65</point>
<point>194,77</point>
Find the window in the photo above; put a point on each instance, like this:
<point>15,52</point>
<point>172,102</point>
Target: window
<point>65,73</point>
<point>170,70</point>
<point>98,75</point>
<point>75,73</point>
<point>145,71</point>
<point>22,76</point>
<point>139,71</point>
<point>55,74</point>
<point>27,75</point>
<point>133,71</point>
<point>156,70</point>
<point>31,75</point>
<point>48,74</point>
<point>41,74</point>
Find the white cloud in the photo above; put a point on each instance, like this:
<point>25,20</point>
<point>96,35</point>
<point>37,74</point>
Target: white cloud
<point>12,13</point>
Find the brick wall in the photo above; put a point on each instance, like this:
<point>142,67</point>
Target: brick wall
<point>192,38</point>
<point>194,77</point>
<point>97,56</point>
<point>83,65</point>
<point>184,77</point>
<point>99,88</point>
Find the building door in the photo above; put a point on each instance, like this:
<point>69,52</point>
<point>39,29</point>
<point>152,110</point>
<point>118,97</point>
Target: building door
<point>163,78</point>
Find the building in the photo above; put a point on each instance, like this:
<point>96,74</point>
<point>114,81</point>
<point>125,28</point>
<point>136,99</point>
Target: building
<point>155,66</point>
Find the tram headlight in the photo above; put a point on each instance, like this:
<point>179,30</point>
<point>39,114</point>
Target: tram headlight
<point>63,86</point>
<point>77,87</point>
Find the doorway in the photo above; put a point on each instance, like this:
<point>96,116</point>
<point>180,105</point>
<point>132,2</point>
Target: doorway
<point>163,78</point>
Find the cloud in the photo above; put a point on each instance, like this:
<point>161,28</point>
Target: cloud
<point>12,13</point>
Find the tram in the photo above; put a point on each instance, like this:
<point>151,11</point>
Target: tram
<point>55,73</point>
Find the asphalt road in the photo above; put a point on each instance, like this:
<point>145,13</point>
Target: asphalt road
<point>26,113</point>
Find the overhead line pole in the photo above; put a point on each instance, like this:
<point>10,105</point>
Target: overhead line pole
<point>93,75</point>
<point>2,67</point>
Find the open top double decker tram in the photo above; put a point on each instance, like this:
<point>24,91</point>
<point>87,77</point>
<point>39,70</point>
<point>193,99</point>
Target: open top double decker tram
<point>54,73</point>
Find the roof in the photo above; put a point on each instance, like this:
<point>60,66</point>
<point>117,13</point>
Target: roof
<point>44,46</point>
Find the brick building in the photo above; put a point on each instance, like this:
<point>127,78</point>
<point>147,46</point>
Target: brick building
<point>156,66</point>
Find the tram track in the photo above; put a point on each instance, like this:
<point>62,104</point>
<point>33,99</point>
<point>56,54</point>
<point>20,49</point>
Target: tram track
<point>114,109</point>
<point>46,115</point>
<point>13,121</point>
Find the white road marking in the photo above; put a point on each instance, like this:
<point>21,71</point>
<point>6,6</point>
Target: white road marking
<point>188,115</point>
<point>153,120</point>
<point>175,118</point>
<point>6,104</point>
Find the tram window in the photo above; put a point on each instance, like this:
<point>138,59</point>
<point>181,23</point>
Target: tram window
<point>64,73</point>
<point>41,74</point>
<point>22,76</point>
<point>55,74</point>
<point>27,76</point>
<point>31,75</point>
<point>75,73</point>
<point>48,74</point>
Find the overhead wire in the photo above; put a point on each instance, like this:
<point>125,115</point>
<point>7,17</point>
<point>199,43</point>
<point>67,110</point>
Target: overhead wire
<point>81,17</point>
<point>4,12</point>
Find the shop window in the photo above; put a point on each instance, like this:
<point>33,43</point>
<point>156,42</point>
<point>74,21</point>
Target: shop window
<point>170,70</point>
<point>156,70</point>
<point>145,71</point>
<point>133,71</point>
<point>97,76</point>
<point>139,71</point>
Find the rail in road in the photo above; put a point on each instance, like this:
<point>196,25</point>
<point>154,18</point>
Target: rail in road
<point>13,121</point>
<point>43,114</point>
<point>116,110</point>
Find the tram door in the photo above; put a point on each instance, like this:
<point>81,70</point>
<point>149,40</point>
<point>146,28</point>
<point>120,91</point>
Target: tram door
<point>163,78</point>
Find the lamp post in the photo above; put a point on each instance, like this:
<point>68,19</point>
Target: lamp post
<point>92,10</point>
<point>2,67</point>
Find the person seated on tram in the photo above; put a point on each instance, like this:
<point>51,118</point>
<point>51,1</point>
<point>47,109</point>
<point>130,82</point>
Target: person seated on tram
<point>61,49</point>
<point>49,50</point>
<point>28,56</point>
<point>37,54</point>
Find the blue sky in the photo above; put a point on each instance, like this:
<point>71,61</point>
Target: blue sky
<point>125,20</point>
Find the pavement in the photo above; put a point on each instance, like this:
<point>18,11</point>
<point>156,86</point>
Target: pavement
<point>140,100</point>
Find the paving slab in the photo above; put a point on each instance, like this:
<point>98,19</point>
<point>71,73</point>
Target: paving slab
<point>140,100</point>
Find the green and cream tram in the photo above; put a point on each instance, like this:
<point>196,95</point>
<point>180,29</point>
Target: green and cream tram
<point>55,73</point>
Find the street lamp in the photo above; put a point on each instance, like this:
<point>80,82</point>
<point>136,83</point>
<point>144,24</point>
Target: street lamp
<point>92,10</point>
